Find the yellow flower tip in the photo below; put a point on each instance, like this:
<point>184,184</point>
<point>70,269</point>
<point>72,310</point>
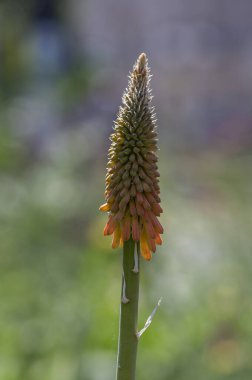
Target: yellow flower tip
<point>147,245</point>
<point>145,250</point>
<point>116,237</point>
<point>105,207</point>
<point>121,242</point>
<point>158,240</point>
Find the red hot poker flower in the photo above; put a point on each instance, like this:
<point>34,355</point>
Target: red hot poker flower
<point>132,180</point>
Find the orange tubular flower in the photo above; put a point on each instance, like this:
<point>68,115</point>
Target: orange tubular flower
<point>132,180</point>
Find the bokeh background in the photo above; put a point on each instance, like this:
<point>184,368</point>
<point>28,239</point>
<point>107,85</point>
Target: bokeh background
<point>63,68</point>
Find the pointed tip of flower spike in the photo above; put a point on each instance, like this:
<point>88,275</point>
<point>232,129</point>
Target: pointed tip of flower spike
<point>141,61</point>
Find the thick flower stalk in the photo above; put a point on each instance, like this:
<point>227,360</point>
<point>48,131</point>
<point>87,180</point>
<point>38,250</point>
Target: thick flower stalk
<point>132,180</point>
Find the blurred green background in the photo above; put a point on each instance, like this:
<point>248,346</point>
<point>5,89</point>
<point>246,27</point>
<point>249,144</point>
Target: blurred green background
<point>63,69</point>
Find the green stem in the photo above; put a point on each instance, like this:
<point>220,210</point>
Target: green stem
<point>127,345</point>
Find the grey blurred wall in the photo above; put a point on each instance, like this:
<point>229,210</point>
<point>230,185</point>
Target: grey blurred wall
<point>200,53</point>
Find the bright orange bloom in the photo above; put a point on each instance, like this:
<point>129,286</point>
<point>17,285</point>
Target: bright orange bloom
<point>132,180</point>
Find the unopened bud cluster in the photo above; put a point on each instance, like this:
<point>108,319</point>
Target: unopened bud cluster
<point>132,180</point>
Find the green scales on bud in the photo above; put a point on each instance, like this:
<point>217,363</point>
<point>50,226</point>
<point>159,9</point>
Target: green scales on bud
<point>132,181</point>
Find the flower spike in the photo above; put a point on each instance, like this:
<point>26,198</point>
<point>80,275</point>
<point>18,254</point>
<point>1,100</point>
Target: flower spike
<point>132,180</point>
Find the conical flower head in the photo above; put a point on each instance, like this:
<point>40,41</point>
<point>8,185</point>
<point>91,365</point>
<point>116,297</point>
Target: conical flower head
<point>132,180</point>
